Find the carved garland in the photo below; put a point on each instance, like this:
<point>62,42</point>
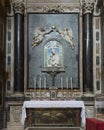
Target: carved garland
<point>53,8</point>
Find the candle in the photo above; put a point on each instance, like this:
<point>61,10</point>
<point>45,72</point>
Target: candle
<point>44,82</point>
<point>34,82</point>
<point>62,82</point>
<point>67,82</point>
<point>71,83</point>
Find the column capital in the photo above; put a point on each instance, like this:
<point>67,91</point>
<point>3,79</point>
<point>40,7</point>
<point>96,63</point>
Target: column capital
<point>87,6</point>
<point>18,6</point>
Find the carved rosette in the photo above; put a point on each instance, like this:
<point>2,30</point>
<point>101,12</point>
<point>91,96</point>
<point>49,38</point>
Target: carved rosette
<point>87,6</point>
<point>18,6</point>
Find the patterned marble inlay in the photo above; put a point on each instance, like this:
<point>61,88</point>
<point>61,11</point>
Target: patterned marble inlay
<point>97,85</point>
<point>97,73</point>
<point>97,23</point>
<point>97,60</point>
<point>97,48</point>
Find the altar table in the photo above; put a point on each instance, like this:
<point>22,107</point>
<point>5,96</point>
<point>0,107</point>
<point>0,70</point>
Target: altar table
<point>94,124</point>
<point>53,104</point>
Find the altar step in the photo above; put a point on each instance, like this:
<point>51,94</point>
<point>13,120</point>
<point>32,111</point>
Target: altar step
<point>53,128</point>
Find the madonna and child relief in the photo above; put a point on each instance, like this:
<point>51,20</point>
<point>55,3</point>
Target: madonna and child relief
<point>53,54</point>
<point>53,58</point>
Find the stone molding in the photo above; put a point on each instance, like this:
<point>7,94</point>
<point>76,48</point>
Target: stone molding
<point>18,6</point>
<point>87,6</point>
<point>53,1</point>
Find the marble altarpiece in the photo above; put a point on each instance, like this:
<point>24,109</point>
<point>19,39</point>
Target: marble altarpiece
<point>31,77</point>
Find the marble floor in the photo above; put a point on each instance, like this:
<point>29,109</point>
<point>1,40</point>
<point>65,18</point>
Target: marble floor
<point>50,129</point>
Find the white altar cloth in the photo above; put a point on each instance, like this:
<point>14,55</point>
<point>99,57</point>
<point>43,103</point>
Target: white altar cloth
<point>53,104</point>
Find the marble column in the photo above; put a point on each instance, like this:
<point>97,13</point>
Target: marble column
<point>87,7</point>
<point>18,7</point>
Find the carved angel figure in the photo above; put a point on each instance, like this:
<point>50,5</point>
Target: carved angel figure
<point>38,36</point>
<point>67,34</point>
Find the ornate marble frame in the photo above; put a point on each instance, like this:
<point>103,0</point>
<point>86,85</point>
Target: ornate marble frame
<point>44,6</point>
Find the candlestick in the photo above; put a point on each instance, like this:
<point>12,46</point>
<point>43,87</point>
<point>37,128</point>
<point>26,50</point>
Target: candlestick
<point>44,82</point>
<point>71,83</point>
<point>67,82</point>
<point>40,82</point>
<point>62,82</point>
<point>34,82</point>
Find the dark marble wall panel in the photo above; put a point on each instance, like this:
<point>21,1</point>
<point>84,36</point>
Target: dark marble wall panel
<point>36,55</point>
